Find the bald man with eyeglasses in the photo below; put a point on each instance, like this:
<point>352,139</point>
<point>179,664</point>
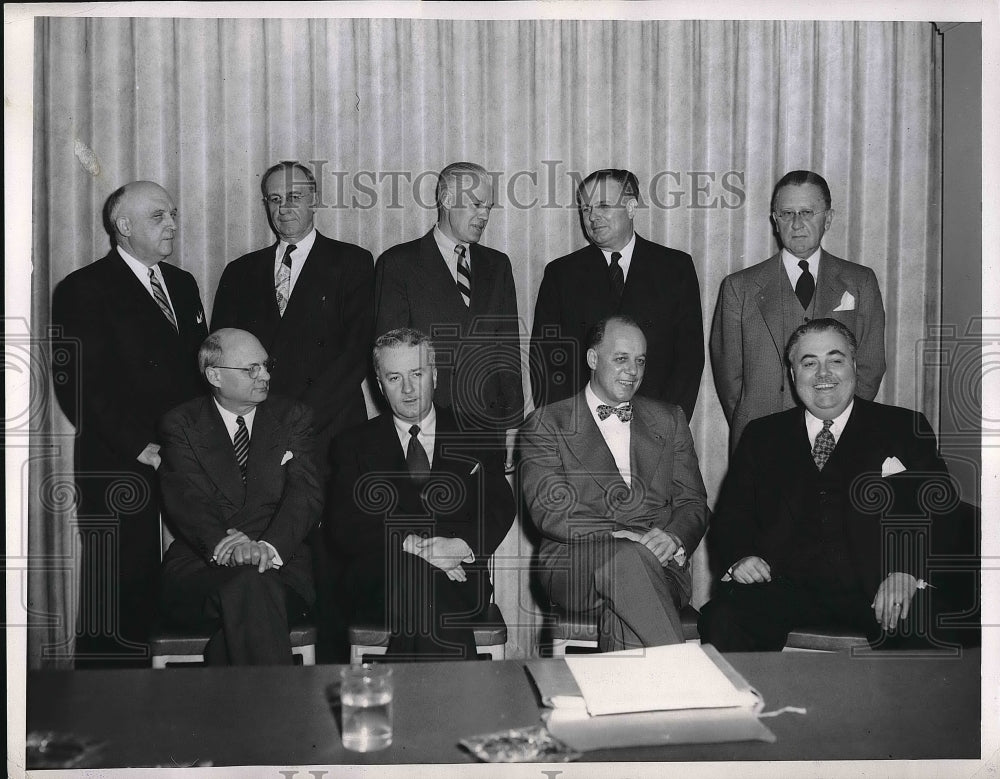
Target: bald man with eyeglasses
<point>759,307</point>
<point>241,491</point>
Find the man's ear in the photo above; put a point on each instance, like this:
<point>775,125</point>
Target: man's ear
<point>592,359</point>
<point>212,376</point>
<point>630,207</point>
<point>380,387</point>
<point>434,376</point>
<point>123,225</point>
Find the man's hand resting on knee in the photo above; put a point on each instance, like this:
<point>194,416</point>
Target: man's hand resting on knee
<point>666,546</point>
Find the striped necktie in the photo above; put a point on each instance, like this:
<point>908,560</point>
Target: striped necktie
<point>241,443</point>
<point>464,278</point>
<point>161,298</point>
<point>283,280</point>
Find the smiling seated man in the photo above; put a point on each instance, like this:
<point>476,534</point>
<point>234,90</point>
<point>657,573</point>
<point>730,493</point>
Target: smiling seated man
<point>240,489</point>
<point>820,519</point>
<point>417,508</point>
<point>611,480</point>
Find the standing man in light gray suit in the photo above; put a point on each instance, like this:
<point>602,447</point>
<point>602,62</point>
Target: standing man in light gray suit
<point>759,307</point>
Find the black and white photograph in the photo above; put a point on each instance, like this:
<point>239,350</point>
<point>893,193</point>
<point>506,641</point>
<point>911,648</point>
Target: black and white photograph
<point>594,387</point>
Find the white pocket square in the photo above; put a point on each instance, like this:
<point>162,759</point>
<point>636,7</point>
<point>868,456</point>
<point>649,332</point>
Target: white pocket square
<point>892,465</point>
<point>846,303</point>
<point>287,456</point>
<point>475,469</point>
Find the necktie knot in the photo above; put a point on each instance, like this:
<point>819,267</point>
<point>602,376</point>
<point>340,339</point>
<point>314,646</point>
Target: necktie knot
<point>415,430</point>
<point>623,412</point>
<point>804,264</point>
<point>416,458</point>
<point>287,259</point>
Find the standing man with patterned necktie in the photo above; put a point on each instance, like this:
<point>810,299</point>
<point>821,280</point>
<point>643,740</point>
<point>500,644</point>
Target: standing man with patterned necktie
<point>138,322</point>
<point>308,299</point>
<point>759,307</point>
<point>618,272</point>
<point>461,293</point>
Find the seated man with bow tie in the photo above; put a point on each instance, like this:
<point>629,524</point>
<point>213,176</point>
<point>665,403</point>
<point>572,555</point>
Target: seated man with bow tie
<point>825,517</point>
<point>240,490</point>
<point>416,510</point>
<point>611,479</point>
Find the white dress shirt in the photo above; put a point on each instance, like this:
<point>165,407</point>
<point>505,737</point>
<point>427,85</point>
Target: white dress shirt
<point>626,252</point>
<point>447,248</point>
<point>792,269</point>
<point>428,428</point>
<point>814,425</point>
<point>141,271</point>
<point>617,435</point>
<point>302,249</point>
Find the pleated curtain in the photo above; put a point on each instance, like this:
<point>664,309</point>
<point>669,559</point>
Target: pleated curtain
<point>707,114</point>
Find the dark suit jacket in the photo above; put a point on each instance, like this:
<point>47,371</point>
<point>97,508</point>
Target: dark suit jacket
<point>466,497</point>
<point>129,366</point>
<point>204,494</point>
<point>748,340</point>
<point>771,487</point>
<point>414,288</point>
<point>573,489</point>
<point>321,343</point>
<point>661,293</point>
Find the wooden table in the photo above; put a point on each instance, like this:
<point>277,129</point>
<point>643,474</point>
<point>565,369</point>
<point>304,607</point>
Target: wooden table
<point>870,707</point>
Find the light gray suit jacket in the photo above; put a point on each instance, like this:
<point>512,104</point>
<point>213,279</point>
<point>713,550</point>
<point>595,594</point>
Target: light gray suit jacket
<point>747,344</point>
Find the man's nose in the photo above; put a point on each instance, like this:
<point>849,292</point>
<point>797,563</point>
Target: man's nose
<point>407,386</point>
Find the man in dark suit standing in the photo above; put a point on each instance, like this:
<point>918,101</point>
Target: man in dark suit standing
<point>825,518</point>
<point>241,490</point>
<point>460,293</point>
<point>308,299</point>
<point>619,272</point>
<point>760,306</point>
<point>611,480</point>
<point>416,511</point>
<point>138,322</point>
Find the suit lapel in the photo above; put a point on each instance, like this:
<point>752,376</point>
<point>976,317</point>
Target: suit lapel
<point>482,281</point>
<point>435,281</point>
<point>769,300</point>
<point>260,468</point>
<point>801,469</point>
<point>310,277</point>
<point>585,442</point>
<point>190,315</point>
<point>647,443</point>
<point>215,450</point>
<point>134,291</point>
<point>830,285</point>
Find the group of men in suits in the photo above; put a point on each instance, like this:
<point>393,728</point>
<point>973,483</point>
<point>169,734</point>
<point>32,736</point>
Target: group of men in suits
<point>609,471</point>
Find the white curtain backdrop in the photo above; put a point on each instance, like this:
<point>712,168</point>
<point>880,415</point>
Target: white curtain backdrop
<point>707,114</point>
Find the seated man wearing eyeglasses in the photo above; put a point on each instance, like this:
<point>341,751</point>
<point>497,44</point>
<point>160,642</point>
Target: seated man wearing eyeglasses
<point>759,307</point>
<point>240,491</point>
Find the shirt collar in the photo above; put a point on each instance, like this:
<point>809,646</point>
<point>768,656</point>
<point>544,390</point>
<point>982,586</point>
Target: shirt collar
<point>814,424</point>
<point>791,262</point>
<point>229,418</point>
<point>138,267</point>
<point>302,248</point>
<point>447,246</point>
<point>593,401</point>
<point>428,425</point>
<point>625,252</point>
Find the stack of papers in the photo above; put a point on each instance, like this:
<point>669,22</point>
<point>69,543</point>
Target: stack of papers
<point>681,694</point>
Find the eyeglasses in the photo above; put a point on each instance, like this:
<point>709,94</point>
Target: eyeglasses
<point>789,216</point>
<point>253,371</point>
<point>291,198</point>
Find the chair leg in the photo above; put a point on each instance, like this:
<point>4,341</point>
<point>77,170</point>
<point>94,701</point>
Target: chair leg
<point>307,653</point>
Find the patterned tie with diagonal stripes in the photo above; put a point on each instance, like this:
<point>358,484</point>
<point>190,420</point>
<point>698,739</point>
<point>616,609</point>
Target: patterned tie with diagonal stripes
<point>283,280</point>
<point>161,298</point>
<point>824,445</point>
<point>241,443</point>
<point>464,279</point>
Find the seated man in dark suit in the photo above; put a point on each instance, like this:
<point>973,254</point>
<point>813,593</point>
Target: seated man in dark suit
<point>416,511</point>
<point>820,519</point>
<point>240,489</point>
<point>611,480</point>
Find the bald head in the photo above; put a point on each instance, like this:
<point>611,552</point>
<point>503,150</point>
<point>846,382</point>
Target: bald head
<point>237,368</point>
<point>143,221</point>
